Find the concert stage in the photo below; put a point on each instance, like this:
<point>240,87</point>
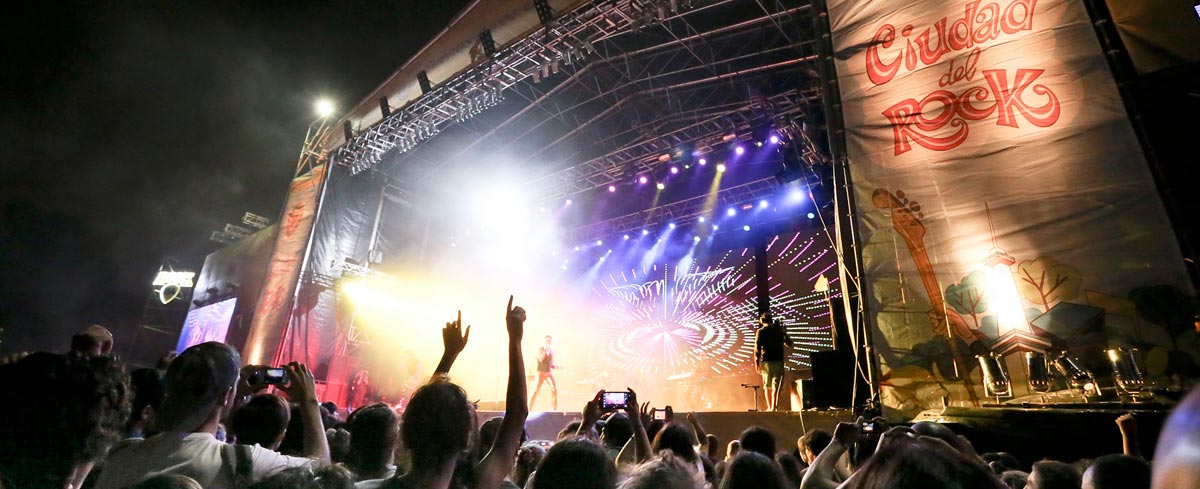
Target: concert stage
<point>726,426</point>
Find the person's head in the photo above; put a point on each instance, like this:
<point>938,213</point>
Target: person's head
<point>922,463</point>
<point>764,319</point>
<point>1003,461</point>
<point>578,463</point>
<point>617,431</point>
<point>147,386</point>
<point>487,434</point>
<point>529,456</point>
<point>94,340</point>
<point>758,439</point>
<point>164,362</point>
<point>331,407</point>
<point>168,481</point>
<point>438,425</point>
<point>653,428</point>
<point>1014,479</point>
<point>200,383</point>
<point>791,467</point>
<point>1049,474</point>
<point>293,437</point>
<point>373,433</point>
<point>547,340</point>
<point>1177,454</point>
<point>811,444</point>
<point>339,444</point>
<point>329,477</point>
<point>1117,471</point>
<point>679,439</point>
<point>262,421</point>
<point>665,471</point>
<point>732,449</point>
<point>753,470</point>
<point>60,411</point>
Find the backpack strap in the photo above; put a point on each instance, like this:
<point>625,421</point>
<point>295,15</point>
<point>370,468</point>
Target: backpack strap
<point>240,462</point>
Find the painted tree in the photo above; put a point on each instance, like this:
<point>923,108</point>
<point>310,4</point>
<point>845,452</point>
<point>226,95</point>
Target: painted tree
<point>1044,280</point>
<point>969,296</point>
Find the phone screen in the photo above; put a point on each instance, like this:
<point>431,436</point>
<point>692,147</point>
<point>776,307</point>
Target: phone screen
<point>274,376</point>
<point>613,400</point>
<point>660,414</point>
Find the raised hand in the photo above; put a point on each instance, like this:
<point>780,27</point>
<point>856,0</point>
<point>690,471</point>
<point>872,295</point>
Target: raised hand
<point>847,433</point>
<point>453,337</point>
<point>670,416</point>
<point>301,387</point>
<point>515,318</point>
<point>591,414</point>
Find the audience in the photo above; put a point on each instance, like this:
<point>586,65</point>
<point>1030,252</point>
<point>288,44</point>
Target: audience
<point>67,412</point>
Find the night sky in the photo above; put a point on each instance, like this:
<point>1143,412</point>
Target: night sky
<point>131,130</point>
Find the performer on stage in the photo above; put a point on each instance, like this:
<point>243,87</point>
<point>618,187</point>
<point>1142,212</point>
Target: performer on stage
<point>545,358</point>
<point>769,341</point>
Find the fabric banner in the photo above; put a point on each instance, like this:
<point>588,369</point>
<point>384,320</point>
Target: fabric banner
<point>1158,34</point>
<point>283,271</point>
<point>1004,203</point>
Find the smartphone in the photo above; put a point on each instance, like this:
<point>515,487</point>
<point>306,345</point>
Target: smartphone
<point>868,428</point>
<point>274,376</point>
<point>660,414</point>
<point>611,401</point>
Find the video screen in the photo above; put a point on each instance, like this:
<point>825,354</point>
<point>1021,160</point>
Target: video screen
<point>208,323</point>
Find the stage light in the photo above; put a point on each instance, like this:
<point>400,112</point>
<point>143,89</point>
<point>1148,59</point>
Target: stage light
<point>715,227</point>
<point>703,162</point>
<point>671,225</point>
<point>739,150</point>
<point>811,215</point>
<point>568,201</point>
<point>701,219</point>
<point>599,242</point>
<point>762,204</point>
<point>721,167</point>
<point>612,188</point>
<point>642,180</point>
<point>661,185</point>
<point>324,108</point>
<point>774,139</point>
<point>626,236</point>
<point>674,170</point>
<point>576,247</point>
<point>645,232</point>
<point>796,195</point>
<point>731,212</point>
<point>696,239</point>
<point>746,227</point>
<point>758,143</point>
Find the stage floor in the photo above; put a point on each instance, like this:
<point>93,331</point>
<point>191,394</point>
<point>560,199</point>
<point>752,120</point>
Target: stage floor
<point>787,426</point>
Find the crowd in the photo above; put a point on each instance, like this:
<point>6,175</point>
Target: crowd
<point>201,419</point>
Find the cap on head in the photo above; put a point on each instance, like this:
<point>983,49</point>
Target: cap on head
<point>194,382</point>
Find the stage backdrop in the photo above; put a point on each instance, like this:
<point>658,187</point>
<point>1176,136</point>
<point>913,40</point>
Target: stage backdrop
<point>1004,202</point>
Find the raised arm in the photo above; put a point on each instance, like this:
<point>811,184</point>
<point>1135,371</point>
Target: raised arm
<point>302,390</point>
<point>453,342</point>
<point>1129,435</point>
<point>499,460</point>
<point>701,436</point>
<point>641,441</point>
<point>821,474</point>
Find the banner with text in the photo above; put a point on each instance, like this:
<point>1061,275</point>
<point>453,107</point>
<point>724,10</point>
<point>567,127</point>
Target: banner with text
<point>1004,201</point>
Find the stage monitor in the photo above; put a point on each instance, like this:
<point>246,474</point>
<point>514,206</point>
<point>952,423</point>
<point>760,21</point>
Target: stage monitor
<point>207,323</point>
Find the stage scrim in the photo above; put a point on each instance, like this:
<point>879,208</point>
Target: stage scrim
<point>1004,202</point>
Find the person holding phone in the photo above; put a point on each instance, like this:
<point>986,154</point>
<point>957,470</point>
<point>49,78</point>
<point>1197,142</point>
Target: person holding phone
<point>545,367</point>
<point>769,354</point>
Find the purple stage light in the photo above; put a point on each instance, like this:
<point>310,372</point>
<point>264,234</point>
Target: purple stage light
<point>746,227</point>
<point>703,162</point>
<point>642,179</point>
<point>612,188</point>
<point>568,201</point>
<point>721,167</point>
<point>739,150</point>
<point>701,219</point>
<point>774,139</point>
<point>671,225</point>
<point>696,239</point>
<point>645,232</point>
<point>762,204</point>
<point>715,227</point>
<point>626,236</point>
<point>599,242</point>
<point>661,186</point>
<point>674,170</point>
<point>731,212</point>
<point>796,195</point>
<point>811,215</point>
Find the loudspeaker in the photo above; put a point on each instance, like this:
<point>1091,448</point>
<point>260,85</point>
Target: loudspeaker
<point>833,380</point>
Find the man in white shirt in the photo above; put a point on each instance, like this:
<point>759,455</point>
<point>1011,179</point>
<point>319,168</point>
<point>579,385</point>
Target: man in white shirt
<point>201,384</point>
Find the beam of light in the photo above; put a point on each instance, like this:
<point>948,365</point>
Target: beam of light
<point>324,108</point>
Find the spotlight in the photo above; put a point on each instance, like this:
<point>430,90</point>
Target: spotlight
<point>612,188</point>
<point>739,150</point>
<point>576,247</point>
<point>701,219</point>
<point>645,232</point>
<point>703,162</point>
<point>774,139</point>
<point>796,195</point>
<point>758,143</point>
<point>696,239</point>
<point>661,185</point>
<point>674,170</point>
<point>642,179</point>
<point>731,212</point>
<point>568,201</point>
<point>599,242</point>
<point>721,167</point>
<point>324,108</point>
<point>746,227</point>
<point>811,215</point>
<point>715,227</point>
<point>762,204</point>
<point>672,225</point>
<point>626,236</point>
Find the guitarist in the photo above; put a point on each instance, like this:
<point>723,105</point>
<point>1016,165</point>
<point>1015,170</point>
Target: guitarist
<point>545,359</point>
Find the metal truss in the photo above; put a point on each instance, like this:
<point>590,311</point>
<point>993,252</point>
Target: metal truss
<point>646,155</point>
<point>679,211</point>
<point>560,44</point>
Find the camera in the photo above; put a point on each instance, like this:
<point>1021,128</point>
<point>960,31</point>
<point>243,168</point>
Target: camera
<point>868,428</point>
<point>612,401</point>
<point>660,414</point>
<point>267,376</point>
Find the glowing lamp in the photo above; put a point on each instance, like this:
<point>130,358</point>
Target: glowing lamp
<point>739,150</point>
